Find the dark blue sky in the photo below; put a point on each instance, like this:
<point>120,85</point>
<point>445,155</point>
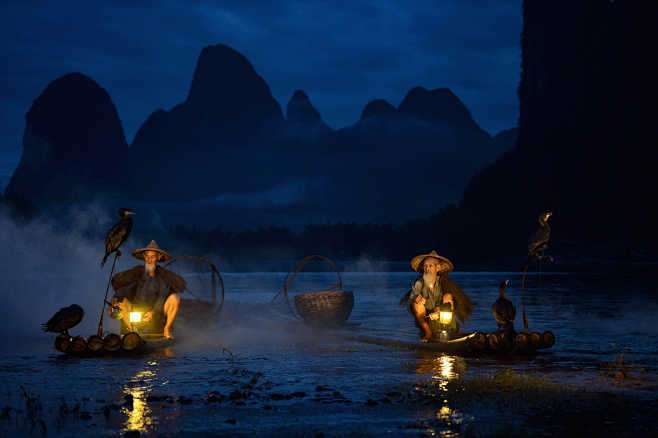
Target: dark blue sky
<point>343,54</point>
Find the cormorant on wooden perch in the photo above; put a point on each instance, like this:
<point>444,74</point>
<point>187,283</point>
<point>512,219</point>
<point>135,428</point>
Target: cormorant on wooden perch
<point>118,234</point>
<point>64,319</point>
<point>503,309</point>
<point>538,243</point>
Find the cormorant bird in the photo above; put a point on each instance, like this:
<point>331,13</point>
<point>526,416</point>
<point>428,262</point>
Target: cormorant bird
<point>64,319</point>
<point>538,243</point>
<point>503,309</point>
<point>118,234</point>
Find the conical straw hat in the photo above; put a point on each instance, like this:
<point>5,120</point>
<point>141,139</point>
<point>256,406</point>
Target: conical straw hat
<point>152,246</point>
<point>445,265</point>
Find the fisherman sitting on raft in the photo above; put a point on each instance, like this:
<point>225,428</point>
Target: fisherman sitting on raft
<point>150,288</point>
<point>431,290</point>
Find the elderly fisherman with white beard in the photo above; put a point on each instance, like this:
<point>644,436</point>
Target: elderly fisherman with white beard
<point>151,288</point>
<point>431,290</point>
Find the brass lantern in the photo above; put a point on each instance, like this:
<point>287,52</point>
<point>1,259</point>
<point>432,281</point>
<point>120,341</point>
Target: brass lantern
<point>445,315</point>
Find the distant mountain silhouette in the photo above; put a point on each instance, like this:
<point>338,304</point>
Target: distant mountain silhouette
<point>226,155</point>
<point>379,108</point>
<point>304,121</point>
<point>197,149</point>
<point>72,145</point>
<point>215,150</point>
<point>394,164</point>
<point>439,105</point>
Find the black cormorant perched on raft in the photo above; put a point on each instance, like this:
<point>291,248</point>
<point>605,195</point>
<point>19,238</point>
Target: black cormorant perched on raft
<point>118,234</point>
<point>503,310</point>
<point>64,319</point>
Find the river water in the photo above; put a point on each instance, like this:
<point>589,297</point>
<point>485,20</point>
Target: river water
<point>260,371</point>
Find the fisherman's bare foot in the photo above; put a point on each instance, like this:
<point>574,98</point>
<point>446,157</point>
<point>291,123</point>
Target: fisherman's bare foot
<point>167,333</point>
<point>424,339</point>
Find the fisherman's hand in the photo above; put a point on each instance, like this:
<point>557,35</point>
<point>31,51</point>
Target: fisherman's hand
<point>148,316</point>
<point>113,303</point>
<point>434,316</point>
<point>419,300</point>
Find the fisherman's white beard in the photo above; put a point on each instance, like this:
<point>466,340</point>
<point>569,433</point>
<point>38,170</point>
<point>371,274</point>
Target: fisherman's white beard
<point>149,268</point>
<point>429,279</point>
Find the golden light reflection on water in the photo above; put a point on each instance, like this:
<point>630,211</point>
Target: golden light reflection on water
<point>444,413</point>
<point>140,417</point>
<point>441,370</point>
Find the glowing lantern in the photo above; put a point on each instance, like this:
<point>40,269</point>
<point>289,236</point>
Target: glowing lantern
<point>135,316</point>
<point>445,314</point>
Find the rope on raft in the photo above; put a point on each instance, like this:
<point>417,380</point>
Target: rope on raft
<point>214,278</point>
<point>295,270</point>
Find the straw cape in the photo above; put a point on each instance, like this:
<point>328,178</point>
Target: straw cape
<point>134,278</point>
<point>152,246</point>
<point>445,265</point>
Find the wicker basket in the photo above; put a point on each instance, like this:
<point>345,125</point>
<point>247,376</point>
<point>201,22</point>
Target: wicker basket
<point>326,307</point>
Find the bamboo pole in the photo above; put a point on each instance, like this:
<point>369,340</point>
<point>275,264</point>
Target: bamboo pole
<point>525,318</point>
<point>107,289</point>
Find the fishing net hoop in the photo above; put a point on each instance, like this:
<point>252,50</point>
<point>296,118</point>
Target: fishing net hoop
<point>215,277</point>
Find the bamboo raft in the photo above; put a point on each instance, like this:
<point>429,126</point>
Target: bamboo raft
<point>477,343</point>
<point>194,312</point>
<point>131,343</point>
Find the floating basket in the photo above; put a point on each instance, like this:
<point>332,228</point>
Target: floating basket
<point>327,307</point>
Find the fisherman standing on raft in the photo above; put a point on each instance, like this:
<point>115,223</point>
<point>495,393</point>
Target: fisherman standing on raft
<point>152,288</point>
<point>431,290</point>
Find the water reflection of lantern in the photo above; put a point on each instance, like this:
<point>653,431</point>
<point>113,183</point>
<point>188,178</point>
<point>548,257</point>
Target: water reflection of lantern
<point>444,413</point>
<point>447,364</point>
<point>140,416</point>
<point>145,415</point>
<point>444,368</point>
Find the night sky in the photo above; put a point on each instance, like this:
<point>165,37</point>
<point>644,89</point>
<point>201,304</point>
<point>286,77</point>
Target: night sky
<point>343,54</point>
